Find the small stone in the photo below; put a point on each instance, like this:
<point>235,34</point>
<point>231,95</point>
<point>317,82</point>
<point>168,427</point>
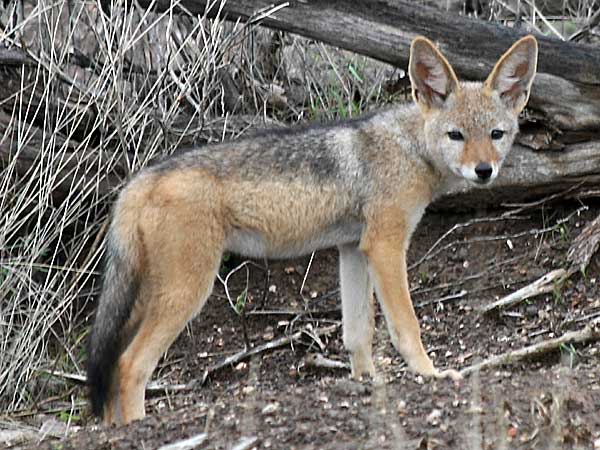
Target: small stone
<point>434,417</point>
<point>401,408</point>
<point>268,335</point>
<point>270,409</point>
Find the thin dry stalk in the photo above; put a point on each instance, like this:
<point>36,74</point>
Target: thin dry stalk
<point>148,86</point>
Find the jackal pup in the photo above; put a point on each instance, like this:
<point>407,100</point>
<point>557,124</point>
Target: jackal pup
<point>360,185</point>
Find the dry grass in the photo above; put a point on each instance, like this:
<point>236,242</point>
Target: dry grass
<point>151,84</point>
<point>104,96</point>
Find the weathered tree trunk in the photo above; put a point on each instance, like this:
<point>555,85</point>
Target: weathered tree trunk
<point>566,92</point>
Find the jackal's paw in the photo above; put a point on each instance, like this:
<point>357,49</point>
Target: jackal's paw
<point>454,375</point>
<point>362,367</point>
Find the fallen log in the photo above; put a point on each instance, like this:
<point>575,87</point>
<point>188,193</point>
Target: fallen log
<point>566,93</point>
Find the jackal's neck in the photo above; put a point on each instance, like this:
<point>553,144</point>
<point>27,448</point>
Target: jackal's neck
<point>397,145</point>
<point>412,124</point>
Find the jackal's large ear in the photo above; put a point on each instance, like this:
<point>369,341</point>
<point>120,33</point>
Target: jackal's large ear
<point>431,76</point>
<point>513,74</point>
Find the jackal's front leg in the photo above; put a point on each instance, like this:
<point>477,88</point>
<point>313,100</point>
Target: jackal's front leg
<point>385,246</point>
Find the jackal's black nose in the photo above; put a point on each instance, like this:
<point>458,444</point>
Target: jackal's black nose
<point>483,171</point>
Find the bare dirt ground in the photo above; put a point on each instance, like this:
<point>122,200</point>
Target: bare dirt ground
<point>278,400</point>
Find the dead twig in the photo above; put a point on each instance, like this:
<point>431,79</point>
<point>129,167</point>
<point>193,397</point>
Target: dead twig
<point>533,232</point>
<point>589,333</point>
<point>508,215</point>
<point>245,443</point>
<point>186,444</point>
<point>592,22</point>
<point>492,265</point>
<point>520,207</point>
<point>543,285</point>
<point>591,193</point>
<point>294,312</point>
<point>245,354</point>
<point>587,317</point>
<point>320,361</point>
<point>431,253</point>
<point>153,386</point>
<point>239,306</point>
<point>580,253</point>
<point>447,298</point>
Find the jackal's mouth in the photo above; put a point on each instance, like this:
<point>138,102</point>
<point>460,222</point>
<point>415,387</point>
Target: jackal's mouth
<point>480,183</point>
<point>473,177</point>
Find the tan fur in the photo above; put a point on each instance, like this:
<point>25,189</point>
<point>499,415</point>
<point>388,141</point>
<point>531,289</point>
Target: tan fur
<point>362,186</point>
<point>248,207</point>
<point>478,150</point>
<point>524,55</point>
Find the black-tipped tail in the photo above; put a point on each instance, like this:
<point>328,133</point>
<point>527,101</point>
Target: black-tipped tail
<point>119,291</point>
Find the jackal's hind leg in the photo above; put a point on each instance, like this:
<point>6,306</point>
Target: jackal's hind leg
<point>182,265</point>
<point>357,309</point>
<point>165,316</point>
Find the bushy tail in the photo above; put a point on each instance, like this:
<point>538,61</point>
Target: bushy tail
<point>119,291</point>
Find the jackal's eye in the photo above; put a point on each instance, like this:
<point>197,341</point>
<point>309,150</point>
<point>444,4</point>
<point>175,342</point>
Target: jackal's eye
<point>455,135</point>
<point>497,134</point>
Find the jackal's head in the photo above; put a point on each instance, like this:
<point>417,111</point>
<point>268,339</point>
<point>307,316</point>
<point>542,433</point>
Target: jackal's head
<point>470,127</point>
